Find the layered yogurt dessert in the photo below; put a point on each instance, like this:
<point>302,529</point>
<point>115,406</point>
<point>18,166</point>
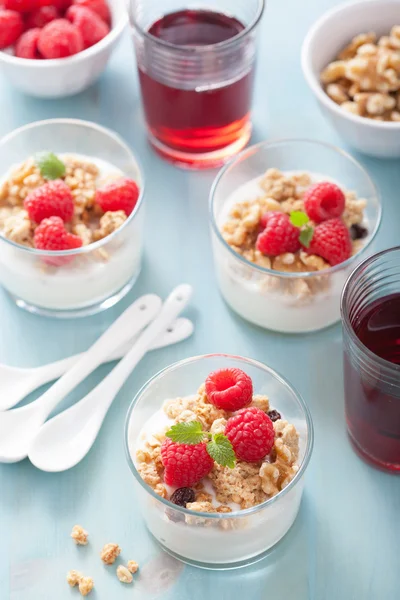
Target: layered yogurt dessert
<point>218,459</point>
<point>291,231</point>
<point>73,231</point>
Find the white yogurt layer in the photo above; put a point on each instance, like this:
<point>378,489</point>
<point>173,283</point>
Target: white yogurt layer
<point>248,291</point>
<point>89,279</point>
<point>247,534</point>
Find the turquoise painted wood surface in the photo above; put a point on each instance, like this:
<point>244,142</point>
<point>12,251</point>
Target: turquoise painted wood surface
<point>345,543</point>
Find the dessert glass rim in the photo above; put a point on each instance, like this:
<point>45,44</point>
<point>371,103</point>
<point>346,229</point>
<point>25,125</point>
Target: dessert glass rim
<point>345,313</point>
<point>237,513</point>
<point>95,245</point>
<point>195,49</point>
<point>314,82</point>
<point>281,141</point>
<point>111,36</point>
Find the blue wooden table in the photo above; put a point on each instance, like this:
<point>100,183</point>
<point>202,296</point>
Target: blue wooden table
<point>345,543</point>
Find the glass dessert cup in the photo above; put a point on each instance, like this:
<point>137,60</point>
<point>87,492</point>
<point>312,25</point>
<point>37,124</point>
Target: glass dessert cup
<point>92,278</point>
<point>274,299</point>
<point>218,541</point>
<point>371,380</point>
<point>196,95</point>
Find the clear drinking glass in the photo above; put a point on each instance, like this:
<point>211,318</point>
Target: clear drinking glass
<point>93,277</point>
<point>371,341</point>
<point>218,541</point>
<point>196,68</point>
<point>286,301</point>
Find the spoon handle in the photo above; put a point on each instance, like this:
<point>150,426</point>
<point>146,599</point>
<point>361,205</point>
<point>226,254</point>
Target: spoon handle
<point>133,320</point>
<point>179,330</point>
<point>103,394</point>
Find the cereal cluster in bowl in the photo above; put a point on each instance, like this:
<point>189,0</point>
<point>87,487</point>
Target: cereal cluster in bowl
<point>365,78</point>
<point>221,450</point>
<point>281,228</point>
<point>47,29</point>
<point>63,202</point>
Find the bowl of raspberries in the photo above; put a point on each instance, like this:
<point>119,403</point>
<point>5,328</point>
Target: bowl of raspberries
<point>56,48</point>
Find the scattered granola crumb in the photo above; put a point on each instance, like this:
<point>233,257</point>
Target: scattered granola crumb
<point>133,566</point>
<point>109,553</point>
<point>74,577</point>
<point>124,575</point>
<point>79,535</point>
<point>86,584</point>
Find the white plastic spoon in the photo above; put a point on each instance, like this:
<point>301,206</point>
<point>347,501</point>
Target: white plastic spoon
<point>19,427</point>
<point>65,440</point>
<point>17,383</point>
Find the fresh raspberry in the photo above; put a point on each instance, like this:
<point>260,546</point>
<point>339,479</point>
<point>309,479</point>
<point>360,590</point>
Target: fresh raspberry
<point>26,46</point>
<point>229,389</point>
<point>42,16</point>
<point>59,39</point>
<point>51,235</point>
<point>332,241</point>
<point>98,6</point>
<point>21,5</point>
<point>11,27</point>
<point>92,28</point>
<point>324,201</point>
<point>122,194</point>
<point>60,5</point>
<point>279,235</point>
<point>53,199</point>
<point>185,464</point>
<point>251,434</point>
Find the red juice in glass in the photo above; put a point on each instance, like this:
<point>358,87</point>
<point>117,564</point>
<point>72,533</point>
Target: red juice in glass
<point>196,69</point>
<point>372,369</point>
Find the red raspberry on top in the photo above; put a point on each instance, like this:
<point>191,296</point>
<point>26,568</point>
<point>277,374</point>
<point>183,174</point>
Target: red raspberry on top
<point>21,5</point>
<point>60,39</point>
<point>53,199</point>
<point>42,16</point>
<point>51,235</point>
<point>332,241</point>
<point>185,464</point>
<point>279,235</point>
<point>26,46</point>
<point>324,201</point>
<point>100,7</point>
<point>229,389</point>
<point>251,434</point>
<point>11,27</point>
<point>91,26</point>
<point>122,194</point>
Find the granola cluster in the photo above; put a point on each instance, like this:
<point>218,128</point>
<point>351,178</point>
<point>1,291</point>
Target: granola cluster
<point>245,485</point>
<point>108,554</point>
<point>82,177</point>
<point>365,78</point>
<point>284,192</point>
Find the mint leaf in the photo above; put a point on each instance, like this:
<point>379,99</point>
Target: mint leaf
<point>306,236</point>
<point>298,218</point>
<point>51,167</point>
<point>186,433</point>
<point>221,450</point>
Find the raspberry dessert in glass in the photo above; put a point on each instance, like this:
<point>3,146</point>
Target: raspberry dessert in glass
<point>71,217</point>
<point>196,70</point>
<point>285,241</point>
<point>371,338</point>
<point>218,471</point>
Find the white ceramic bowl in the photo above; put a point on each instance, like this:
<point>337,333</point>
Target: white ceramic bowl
<point>65,76</point>
<point>323,42</point>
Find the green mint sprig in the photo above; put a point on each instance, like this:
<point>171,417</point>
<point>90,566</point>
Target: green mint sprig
<point>51,167</point>
<point>300,219</point>
<point>218,446</point>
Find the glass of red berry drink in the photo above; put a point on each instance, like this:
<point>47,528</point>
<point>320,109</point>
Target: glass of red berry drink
<point>371,331</point>
<point>196,70</point>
